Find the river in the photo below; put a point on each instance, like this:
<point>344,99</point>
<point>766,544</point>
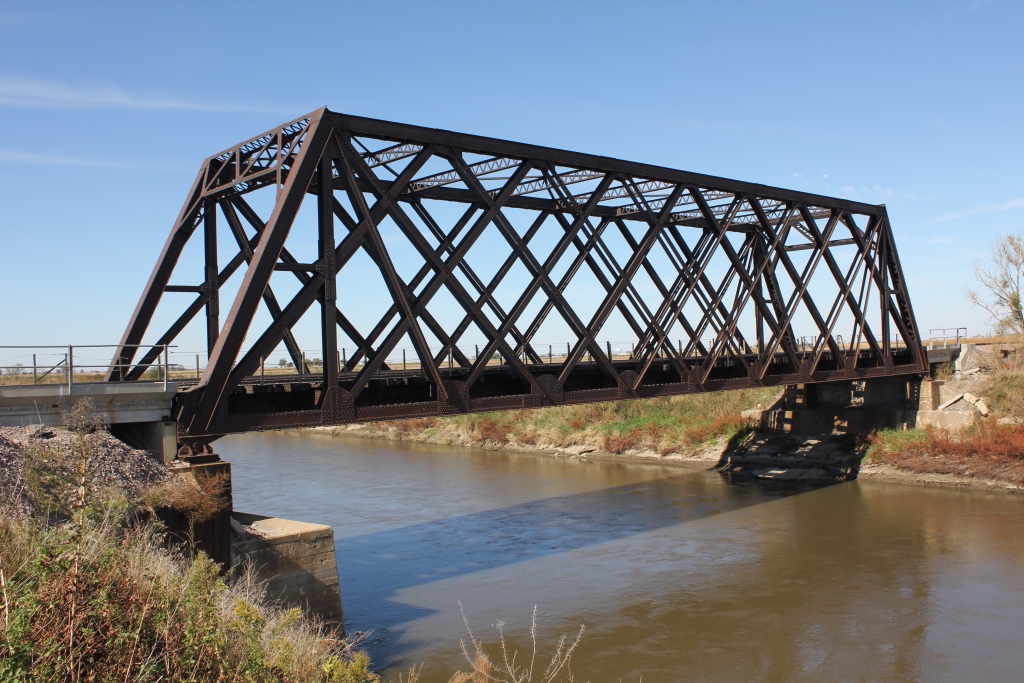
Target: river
<point>676,574</point>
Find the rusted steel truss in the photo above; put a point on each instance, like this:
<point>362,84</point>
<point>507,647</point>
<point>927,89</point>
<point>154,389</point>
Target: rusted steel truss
<point>712,277</point>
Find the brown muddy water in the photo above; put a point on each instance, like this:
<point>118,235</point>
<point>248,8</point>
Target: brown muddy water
<point>677,575</point>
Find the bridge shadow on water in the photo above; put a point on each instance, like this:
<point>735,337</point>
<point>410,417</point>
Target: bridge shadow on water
<point>373,568</point>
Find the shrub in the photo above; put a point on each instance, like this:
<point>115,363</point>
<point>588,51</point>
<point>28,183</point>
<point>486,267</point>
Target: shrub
<point>493,429</point>
<point>93,594</point>
<point>986,449</point>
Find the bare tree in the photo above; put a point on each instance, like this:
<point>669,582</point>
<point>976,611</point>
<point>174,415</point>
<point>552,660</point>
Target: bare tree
<point>1000,283</point>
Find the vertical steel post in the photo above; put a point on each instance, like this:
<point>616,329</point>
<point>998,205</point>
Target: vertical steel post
<point>197,366</point>
<point>403,360</point>
<point>325,265</point>
<point>69,362</point>
<point>35,379</point>
<point>549,354</point>
<point>210,286</point>
<point>262,369</point>
<point>167,366</point>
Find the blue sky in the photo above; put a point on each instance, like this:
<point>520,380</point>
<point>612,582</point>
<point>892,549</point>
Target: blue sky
<point>108,109</point>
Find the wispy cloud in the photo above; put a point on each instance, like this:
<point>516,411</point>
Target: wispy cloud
<point>975,5</point>
<point>941,239</point>
<point>36,159</point>
<point>47,94</point>
<point>1008,205</point>
<point>874,192</point>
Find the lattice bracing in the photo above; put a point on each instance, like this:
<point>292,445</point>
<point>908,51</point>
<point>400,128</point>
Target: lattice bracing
<point>480,256</point>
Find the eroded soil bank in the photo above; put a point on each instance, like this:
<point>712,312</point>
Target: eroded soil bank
<point>755,453</point>
<point>985,394</point>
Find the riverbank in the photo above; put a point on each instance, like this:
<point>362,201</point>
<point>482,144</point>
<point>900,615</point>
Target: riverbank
<point>708,431</point>
<point>681,428</point>
<point>783,457</point>
<point>91,590</point>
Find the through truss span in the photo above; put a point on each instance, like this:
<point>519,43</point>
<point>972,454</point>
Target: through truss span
<point>434,240</point>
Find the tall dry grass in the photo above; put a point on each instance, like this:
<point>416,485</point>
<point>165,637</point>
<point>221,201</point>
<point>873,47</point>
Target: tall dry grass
<point>986,450</point>
<point>93,594</point>
<point>106,601</point>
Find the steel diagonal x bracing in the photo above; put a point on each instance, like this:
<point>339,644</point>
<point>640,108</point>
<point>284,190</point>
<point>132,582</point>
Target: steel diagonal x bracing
<point>400,271</point>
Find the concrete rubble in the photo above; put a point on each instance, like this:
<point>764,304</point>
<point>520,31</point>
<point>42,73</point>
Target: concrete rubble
<point>786,457</point>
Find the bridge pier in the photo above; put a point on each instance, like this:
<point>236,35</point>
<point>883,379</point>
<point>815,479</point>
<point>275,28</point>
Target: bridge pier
<point>857,407</point>
<point>159,438</point>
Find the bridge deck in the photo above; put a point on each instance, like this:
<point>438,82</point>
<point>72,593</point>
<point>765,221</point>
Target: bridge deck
<point>128,402</point>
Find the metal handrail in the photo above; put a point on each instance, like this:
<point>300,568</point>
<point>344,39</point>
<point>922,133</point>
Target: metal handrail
<point>69,360</point>
<point>398,358</point>
<point>932,337</point>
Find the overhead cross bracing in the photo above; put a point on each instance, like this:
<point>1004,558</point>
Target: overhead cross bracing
<point>479,254</point>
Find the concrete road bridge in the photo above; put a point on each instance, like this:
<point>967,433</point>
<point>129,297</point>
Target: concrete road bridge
<point>500,268</point>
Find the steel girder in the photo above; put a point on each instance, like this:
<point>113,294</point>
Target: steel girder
<point>710,276</point>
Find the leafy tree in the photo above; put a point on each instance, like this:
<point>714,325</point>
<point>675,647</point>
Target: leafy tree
<point>999,284</point>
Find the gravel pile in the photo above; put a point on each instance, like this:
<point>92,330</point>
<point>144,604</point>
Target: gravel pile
<point>113,464</point>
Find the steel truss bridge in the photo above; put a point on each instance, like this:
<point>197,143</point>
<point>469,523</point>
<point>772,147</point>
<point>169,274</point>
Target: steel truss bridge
<point>428,238</point>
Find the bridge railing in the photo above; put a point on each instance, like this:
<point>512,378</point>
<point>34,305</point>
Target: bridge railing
<point>945,337</point>
<point>189,367</point>
<point>86,363</point>
<point>70,364</point>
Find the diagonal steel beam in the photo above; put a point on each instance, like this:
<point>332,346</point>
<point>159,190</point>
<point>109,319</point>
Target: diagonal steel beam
<point>307,294</point>
<point>257,224</point>
<point>394,284</point>
<point>443,270</point>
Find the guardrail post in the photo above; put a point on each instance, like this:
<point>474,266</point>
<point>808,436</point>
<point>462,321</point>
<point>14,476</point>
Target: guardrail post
<point>71,367</point>
<point>167,366</point>
<point>35,380</point>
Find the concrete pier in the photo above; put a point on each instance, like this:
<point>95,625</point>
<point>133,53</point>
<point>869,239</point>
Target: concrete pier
<point>295,559</point>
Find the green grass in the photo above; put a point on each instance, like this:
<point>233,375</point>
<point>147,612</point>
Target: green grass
<point>666,425</point>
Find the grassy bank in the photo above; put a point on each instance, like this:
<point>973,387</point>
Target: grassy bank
<point>679,424</point>
<point>985,450</point>
<point>101,599</point>
<point>90,592</point>
<point>992,448</point>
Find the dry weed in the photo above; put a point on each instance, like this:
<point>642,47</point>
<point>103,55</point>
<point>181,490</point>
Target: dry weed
<point>508,668</point>
<point>986,450</point>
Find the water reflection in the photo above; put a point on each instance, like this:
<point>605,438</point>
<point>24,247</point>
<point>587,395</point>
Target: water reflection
<point>678,575</point>
<point>380,564</point>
